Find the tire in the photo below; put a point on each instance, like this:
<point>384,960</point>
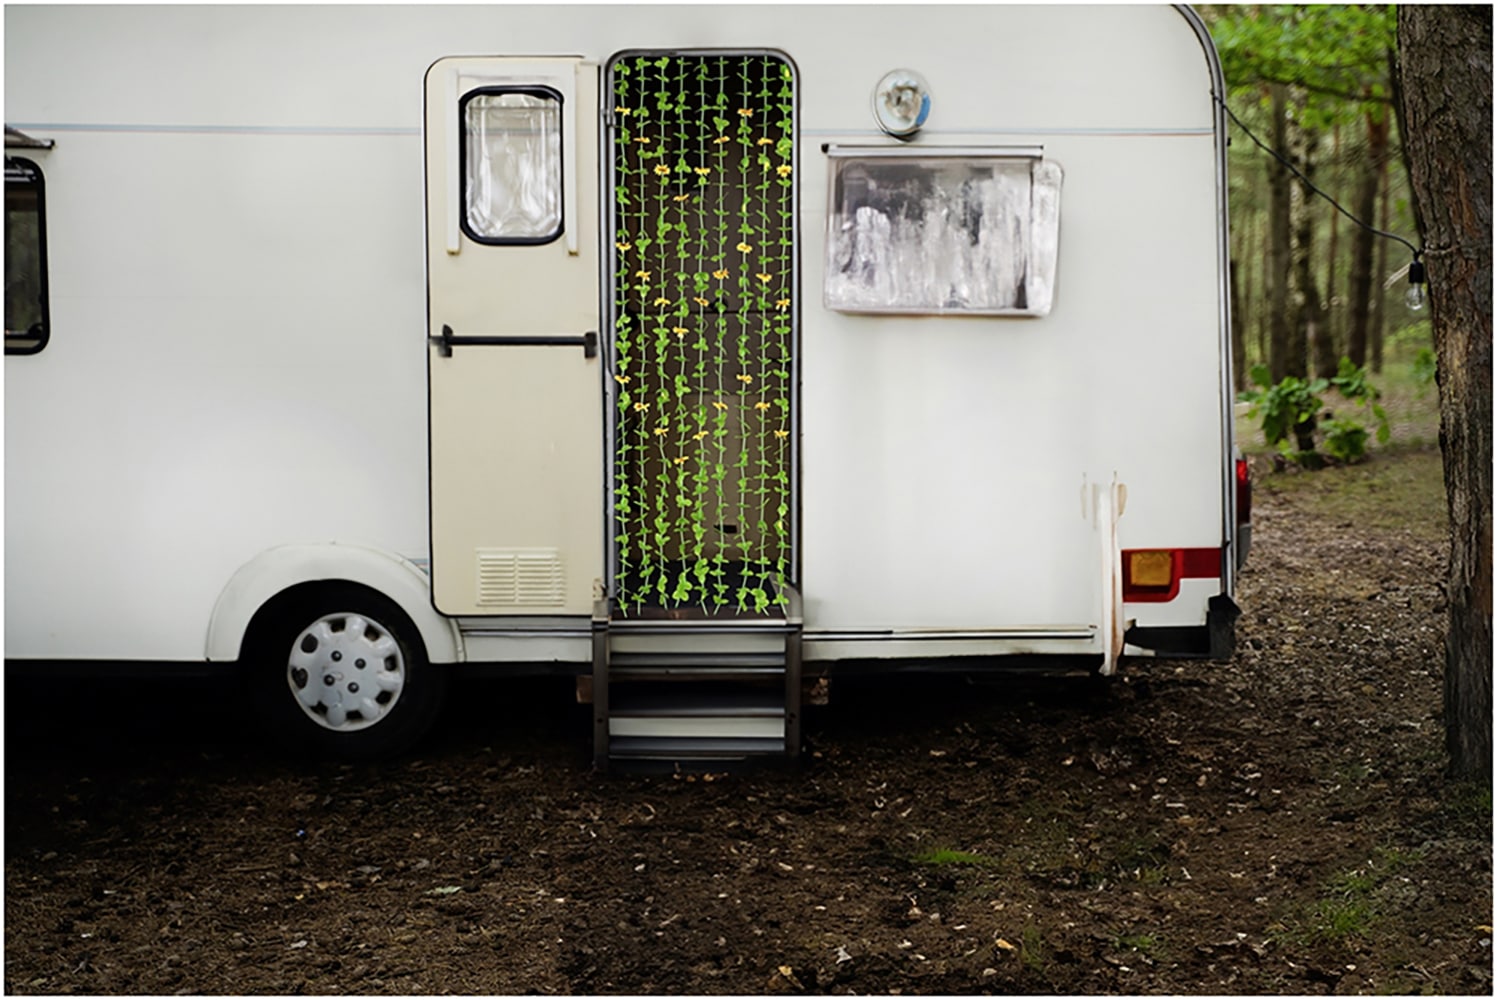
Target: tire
<point>340,671</point>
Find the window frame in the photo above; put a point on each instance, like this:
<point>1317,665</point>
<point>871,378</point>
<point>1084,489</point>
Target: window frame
<point>842,157</point>
<point>536,90</point>
<point>32,343</point>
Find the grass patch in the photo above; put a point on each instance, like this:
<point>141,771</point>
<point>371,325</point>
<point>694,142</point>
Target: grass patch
<point>1338,919</point>
<point>1348,907</point>
<point>1470,802</point>
<point>1407,495</point>
<point>943,856</point>
<point>1032,950</point>
<point>1145,944</point>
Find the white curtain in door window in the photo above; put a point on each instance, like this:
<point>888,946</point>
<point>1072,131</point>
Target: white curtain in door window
<point>513,180</point>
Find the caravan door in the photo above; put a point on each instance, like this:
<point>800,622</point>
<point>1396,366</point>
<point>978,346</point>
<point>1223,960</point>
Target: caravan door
<point>515,381</point>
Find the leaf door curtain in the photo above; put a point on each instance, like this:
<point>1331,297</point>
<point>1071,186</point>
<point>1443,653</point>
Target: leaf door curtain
<point>704,277</point>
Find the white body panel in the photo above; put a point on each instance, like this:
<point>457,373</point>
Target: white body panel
<point>239,317</point>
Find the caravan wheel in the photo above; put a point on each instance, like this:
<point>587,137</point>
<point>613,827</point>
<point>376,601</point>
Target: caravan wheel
<point>346,674</point>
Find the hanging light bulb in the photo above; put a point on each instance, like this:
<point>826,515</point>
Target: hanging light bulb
<point>1414,297</point>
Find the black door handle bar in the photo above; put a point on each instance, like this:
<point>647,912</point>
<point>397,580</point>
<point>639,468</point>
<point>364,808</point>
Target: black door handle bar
<point>448,340</point>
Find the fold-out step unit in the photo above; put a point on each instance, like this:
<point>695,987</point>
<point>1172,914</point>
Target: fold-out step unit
<point>696,692</point>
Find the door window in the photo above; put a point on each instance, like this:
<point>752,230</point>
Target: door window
<point>25,258</point>
<point>512,165</point>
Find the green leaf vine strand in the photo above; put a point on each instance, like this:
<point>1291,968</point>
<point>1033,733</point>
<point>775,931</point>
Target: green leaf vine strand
<point>704,276</point>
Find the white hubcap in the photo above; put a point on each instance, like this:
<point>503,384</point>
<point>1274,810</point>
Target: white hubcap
<point>346,671</point>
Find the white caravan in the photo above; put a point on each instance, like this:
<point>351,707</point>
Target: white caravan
<point>695,351</point>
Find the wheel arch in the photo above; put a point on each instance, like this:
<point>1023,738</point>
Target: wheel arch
<point>277,574</point>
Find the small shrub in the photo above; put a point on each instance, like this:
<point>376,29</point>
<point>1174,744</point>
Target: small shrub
<point>1294,407</point>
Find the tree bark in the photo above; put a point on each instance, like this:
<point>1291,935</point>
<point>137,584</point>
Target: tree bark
<point>1239,344</point>
<point>1446,89</point>
<point>1378,323</point>
<point>1313,331</point>
<point>1332,314</point>
<point>1365,207</point>
<point>1280,329</point>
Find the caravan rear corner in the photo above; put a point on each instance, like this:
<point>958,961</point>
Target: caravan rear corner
<point>693,351</point>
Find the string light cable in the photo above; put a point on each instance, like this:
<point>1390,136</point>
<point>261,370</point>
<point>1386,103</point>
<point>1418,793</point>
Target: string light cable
<point>1415,296</point>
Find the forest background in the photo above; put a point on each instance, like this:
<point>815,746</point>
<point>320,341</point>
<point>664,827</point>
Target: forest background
<point>1319,303</point>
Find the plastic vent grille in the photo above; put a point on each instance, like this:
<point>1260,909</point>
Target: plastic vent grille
<point>521,578</point>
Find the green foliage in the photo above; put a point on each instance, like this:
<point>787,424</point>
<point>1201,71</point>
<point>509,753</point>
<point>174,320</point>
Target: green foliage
<point>1294,406</point>
<point>1346,440</point>
<point>1339,53</point>
<point>1286,408</point>
<point>1424,368</point>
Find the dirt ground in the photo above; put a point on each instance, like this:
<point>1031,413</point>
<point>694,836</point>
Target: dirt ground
<point>1275,825</point>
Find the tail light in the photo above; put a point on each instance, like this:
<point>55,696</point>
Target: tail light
<point>1244,493</point>
<point>1154,575</point>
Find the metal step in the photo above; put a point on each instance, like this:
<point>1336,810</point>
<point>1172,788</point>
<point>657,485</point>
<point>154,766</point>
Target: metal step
<point>677,691</point>
<point>657,748</point>
<point>712,704</point>
<point>691,666</point>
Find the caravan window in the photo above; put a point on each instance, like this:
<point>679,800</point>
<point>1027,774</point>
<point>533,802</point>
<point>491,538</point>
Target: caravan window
<point>25,258</point>
<point>960,231</point>
<point>512,164</point>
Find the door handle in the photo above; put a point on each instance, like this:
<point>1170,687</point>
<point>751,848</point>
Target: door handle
<point>447,340</point>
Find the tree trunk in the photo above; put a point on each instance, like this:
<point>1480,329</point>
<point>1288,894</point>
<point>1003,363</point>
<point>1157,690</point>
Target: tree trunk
<point>1361,290</point>
<point>1280,329</point>
<point>1332,314</point>
<point>1313,332</point>
<point>1239,345</point>
<point>1446,65</point>
<point>1378,323</point>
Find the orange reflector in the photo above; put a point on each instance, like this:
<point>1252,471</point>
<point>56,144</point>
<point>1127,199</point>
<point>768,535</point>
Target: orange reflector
<point>1151,568</point>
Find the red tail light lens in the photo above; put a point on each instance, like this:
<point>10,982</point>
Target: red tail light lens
<point>1154,575</point>
<point>1244,493</point>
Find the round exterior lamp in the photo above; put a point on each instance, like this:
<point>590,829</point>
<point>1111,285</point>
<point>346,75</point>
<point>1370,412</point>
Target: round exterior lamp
<point>901,102</point>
